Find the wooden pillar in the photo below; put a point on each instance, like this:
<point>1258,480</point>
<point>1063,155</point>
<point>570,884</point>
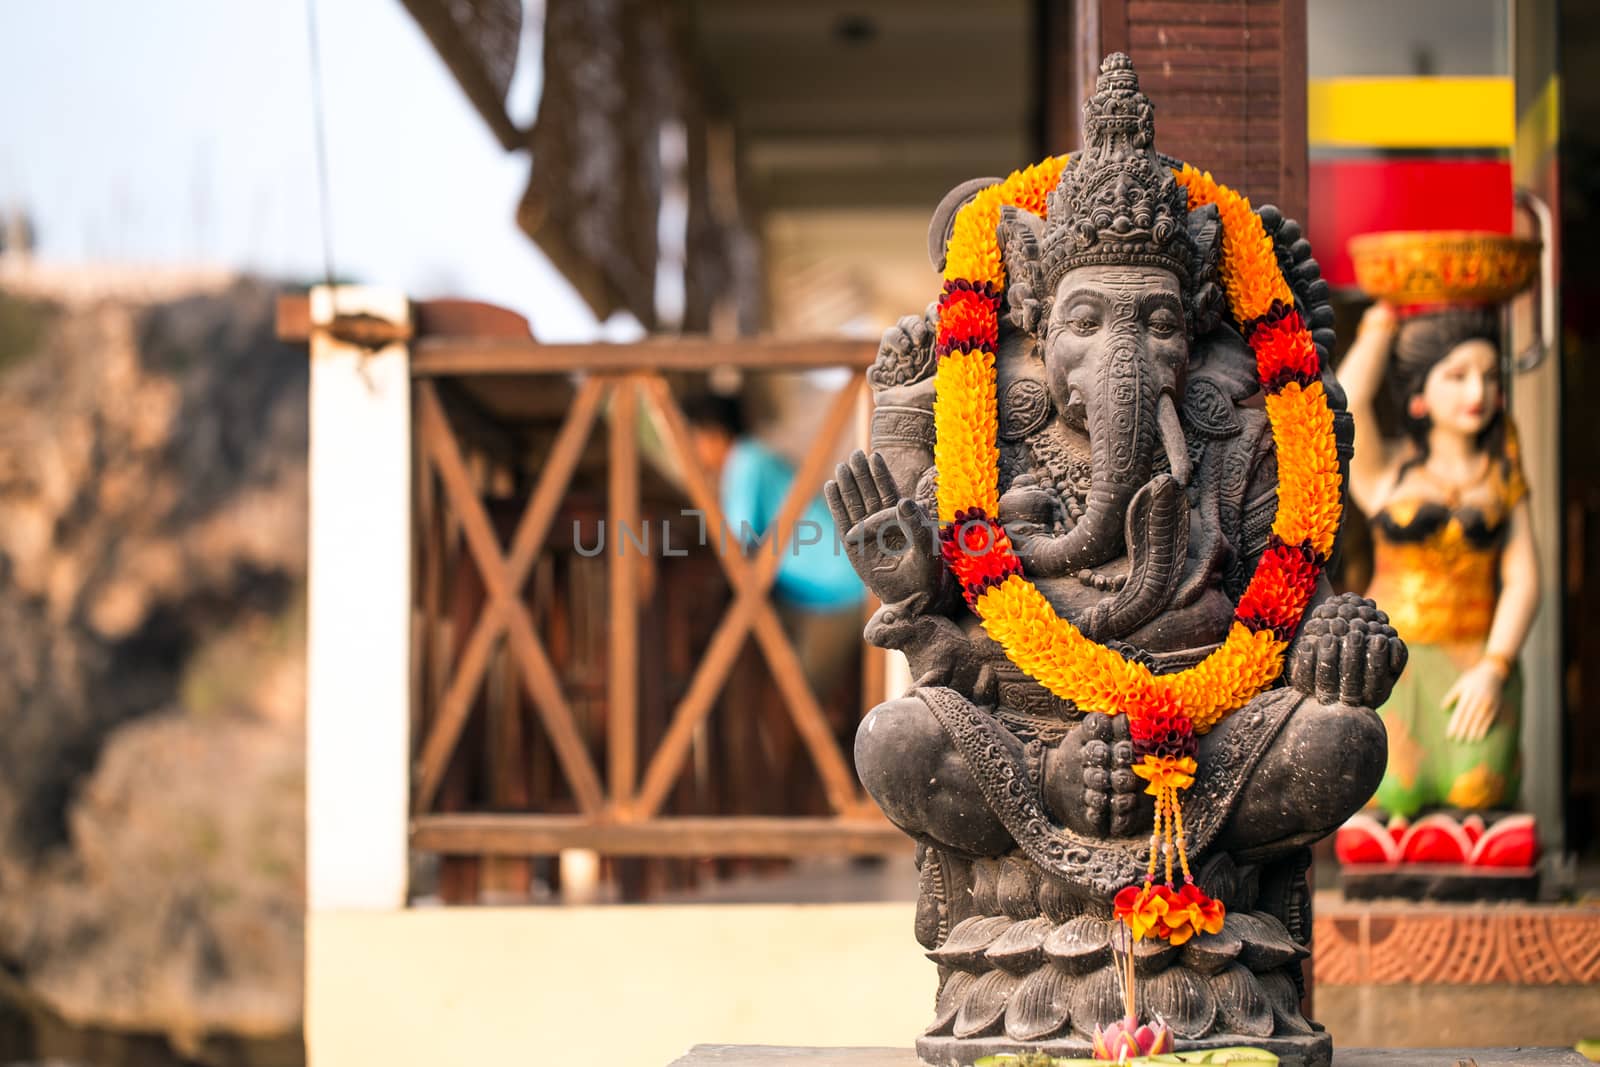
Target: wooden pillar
<point>1539,411</point>
<point>1227,77</point>
<point>622,592</point>
<point>359,610</point>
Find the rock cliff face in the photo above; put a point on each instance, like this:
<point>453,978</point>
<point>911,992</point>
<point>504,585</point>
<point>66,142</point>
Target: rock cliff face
<point>152,557</point>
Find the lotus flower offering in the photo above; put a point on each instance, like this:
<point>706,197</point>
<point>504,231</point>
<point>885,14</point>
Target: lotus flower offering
<point>1233,1057</point>
<point>1129,1039</point>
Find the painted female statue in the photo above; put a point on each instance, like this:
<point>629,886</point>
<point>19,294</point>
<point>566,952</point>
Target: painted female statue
<point>1454,557</point>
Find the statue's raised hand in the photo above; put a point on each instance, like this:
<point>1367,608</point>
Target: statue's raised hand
<point>891,541</point>
<point>911,333</point>
<point>1347,653</point>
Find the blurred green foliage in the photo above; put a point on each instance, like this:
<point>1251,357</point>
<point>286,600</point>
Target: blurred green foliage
<point>23,324</point>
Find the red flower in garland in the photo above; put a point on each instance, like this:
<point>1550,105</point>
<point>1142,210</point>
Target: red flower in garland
<point>978,552</point>
<point>1284,349</point>
<point>1164,733</point>
<point>968,319</point>
<point>1285,581</point>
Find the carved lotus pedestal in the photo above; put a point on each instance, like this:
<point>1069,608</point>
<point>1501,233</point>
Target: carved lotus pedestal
<point>1024,966</point>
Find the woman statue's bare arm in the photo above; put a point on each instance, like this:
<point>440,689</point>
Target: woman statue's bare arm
<point>1361,374</point>
<point>1476,695</point>
<point>1519,589</point>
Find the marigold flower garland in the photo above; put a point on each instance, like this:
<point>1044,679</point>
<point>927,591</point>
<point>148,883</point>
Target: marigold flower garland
<point>1168,711</point>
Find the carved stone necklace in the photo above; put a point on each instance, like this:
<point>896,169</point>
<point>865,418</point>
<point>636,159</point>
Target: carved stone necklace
<point>1065,469</point>
<point>1455,489</point>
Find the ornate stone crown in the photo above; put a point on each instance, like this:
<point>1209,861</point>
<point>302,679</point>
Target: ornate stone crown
<point>1117,203</point>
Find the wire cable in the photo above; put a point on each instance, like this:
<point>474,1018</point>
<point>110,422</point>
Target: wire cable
<point>320,134</point>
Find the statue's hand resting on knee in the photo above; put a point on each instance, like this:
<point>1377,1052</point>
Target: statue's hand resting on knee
<point>890,540</point>
<point>1347,653</point>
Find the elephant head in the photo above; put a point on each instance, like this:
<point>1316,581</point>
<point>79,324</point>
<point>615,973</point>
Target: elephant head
<point>1114,284</point>
<point>1114,339</point>
<point>1115,351</point>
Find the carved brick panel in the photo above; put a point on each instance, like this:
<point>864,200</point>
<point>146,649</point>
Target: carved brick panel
<point>1398,944</point>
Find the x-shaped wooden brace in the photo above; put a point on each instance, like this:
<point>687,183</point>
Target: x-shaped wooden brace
<point>751,578</point>
<point>504,612</point>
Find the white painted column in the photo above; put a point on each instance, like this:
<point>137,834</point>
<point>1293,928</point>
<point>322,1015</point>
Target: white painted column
<point>359,611</point>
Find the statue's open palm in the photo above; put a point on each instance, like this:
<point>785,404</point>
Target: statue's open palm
<point>890,540</point>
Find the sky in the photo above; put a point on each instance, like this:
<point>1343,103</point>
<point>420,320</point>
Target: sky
<point>182,132</point>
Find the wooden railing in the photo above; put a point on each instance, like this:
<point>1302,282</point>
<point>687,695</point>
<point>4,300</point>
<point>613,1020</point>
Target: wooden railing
<point>624,809</point>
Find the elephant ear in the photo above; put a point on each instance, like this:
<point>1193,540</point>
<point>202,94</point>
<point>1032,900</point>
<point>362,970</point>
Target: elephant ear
<point>1205,229</point>
<point>943,223</point>
<point>1019,233</point>
<point>1207,302</point>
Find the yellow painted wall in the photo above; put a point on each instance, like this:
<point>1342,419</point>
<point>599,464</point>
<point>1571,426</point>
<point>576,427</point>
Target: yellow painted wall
<point>1411,112</point>
<point>627,985</point>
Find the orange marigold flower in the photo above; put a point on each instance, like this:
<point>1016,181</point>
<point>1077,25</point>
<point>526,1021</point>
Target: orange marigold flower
<point>1250,272</point>
<point>1029,189</point>
<point>1166,772</point>
<point>974,252</point>
<point>1044,176</point>
<point>1240,668</point>
<point>1144,909</point>
<point>1308,466</point>
<point>965,424</point>
<point>1191,906</point>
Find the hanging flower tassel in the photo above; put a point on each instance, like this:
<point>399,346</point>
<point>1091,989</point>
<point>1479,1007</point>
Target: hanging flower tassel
<point>1167,746</point>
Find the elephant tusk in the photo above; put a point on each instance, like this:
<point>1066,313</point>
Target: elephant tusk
<point>1172,439</point>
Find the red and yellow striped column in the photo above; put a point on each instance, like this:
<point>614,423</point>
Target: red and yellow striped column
<point>1407,153</point>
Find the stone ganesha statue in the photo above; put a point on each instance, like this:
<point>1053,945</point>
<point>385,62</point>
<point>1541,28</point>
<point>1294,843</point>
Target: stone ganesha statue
<point>1138,484</point>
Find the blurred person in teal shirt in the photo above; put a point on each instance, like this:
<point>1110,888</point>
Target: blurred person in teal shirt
<point>816,590</point>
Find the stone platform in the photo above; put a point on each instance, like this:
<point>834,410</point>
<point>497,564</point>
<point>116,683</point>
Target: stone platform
<point>1438,881</point>
<point>787,1056</point>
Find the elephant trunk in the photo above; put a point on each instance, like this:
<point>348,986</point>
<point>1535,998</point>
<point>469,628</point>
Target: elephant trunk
<point>1122,432</point>
<point>1158,541</point>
